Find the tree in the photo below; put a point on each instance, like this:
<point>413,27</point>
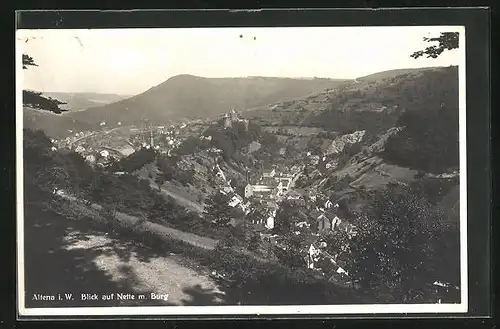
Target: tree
<point>35,99</point>
<point>254,242</point>
<point>446,41</point>
<point>286,217</point>
<point>226,242</point>
<point>28,61</point>
<point>219,210</point>
<point>395,248</point>
<point>166,169</point>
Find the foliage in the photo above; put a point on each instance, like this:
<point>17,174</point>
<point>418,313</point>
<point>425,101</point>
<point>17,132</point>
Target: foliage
<point>276,284</point>
<point>399,246</point>
<point>47,170</point>
<point>166,169</point>
<point>289,253</point>
<point>189,146</point>
<point>28,61</point>
<point>218,209</point>
<point>135,161</point>
<point>286,218</point>
<point>35,99</point>
<point>228,241</point>
<point>254,242</point>
<point>446,41</point>
<point>429,142</point>
<point>434,189</point>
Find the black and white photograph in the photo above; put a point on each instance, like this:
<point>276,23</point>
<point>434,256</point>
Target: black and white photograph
<point>241,170</point>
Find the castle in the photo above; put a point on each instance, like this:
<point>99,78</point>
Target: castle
<point>231,117</point>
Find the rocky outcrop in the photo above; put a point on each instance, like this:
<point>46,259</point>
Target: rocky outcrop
<point>339,144</point>
<point>379,145</point>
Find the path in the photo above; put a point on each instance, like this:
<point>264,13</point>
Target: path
<point>167,232</point>
<point>160,274</point>
<point>68,256</point>
<point>191,205</point>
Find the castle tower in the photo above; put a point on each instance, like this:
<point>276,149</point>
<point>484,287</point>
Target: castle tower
<point>227,121</point>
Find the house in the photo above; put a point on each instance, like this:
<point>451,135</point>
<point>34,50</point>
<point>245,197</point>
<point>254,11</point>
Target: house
<point>285,183</point>
<point>234,201</point>
<point>302,224</point>
<point>270,222</point>
<point>126,150</point>
<point>90,158</point>
<point>314,160</point>
<point>248,190</point>
<point>323,223</point>
<point>79,149</point>
<point>226,189</point>
<point>313,254</point>
<point>270,172</point>
<point>263,191</point>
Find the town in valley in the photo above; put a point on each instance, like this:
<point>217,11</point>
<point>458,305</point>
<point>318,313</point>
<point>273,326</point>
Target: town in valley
<point>258,191</point>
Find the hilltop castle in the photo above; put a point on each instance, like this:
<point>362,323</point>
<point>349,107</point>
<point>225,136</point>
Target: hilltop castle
<point>232,117</point>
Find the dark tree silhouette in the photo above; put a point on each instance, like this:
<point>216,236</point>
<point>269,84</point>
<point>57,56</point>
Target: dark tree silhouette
<point>401,246</point>
<point>28,61</point>
<point>219,210</point>
<point>446,41</point>
<point>35,99</point>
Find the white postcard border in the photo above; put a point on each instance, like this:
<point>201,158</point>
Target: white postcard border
<point>248,310</point>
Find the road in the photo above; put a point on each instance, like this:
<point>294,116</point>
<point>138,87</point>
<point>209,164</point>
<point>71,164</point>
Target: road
<point>81,138</point>
<point>191,205</point>
<point>92,134</point>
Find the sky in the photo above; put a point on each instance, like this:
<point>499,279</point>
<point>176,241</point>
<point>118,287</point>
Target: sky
<point>130,61</point>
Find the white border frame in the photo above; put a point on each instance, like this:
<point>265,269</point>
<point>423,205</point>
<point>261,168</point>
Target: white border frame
<point>247,310</point>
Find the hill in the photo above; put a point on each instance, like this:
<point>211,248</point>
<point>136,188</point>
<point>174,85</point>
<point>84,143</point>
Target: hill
<point>58,125</point>
<point>352,105</point>
<point>82,101</point>
<point>376,105</point>
<point>373,133</point>
<point>191,97</point>
<point>54,125</point>
<point>391,74</point>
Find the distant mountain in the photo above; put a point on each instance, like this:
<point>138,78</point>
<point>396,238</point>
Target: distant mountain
<point>82,101</point>
<point>54,125</point>
<point>191,97</point>
<point>391,74</point>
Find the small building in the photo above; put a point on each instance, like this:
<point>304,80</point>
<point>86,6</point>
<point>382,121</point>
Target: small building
<point>323,223</point>
<point>248,191</point>
<point>266,173</point>
<point>127,150</point>
<point>270,222</point>
<point>90,158</point>
<point>234,201</point>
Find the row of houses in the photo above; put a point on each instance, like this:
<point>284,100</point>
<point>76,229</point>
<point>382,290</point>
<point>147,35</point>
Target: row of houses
<point>270,186</point>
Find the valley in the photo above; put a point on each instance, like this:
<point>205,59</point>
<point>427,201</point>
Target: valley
<point>293,172</point>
